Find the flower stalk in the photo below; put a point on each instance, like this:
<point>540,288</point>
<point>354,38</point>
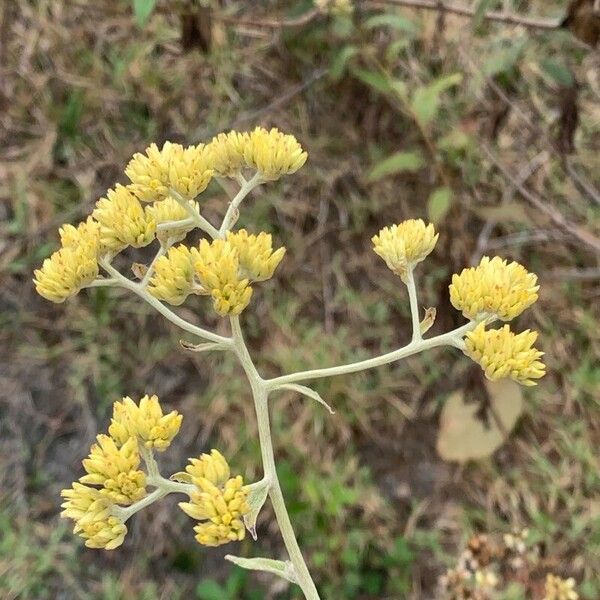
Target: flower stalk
<point>225,268</point>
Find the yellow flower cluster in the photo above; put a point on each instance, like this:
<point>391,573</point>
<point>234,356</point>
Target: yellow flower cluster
<point>273,153</point>
<point>227,153</point>
<point>168,178</point>
<point>116,469</point>
<point>558,588</point>
<point>255,252</point>
<point>502,353</point>
<point>123,221</point>
<point>270,152</point>
<point>72,267</point>
<point>493,288</point>
<point>113,465</point>
<point>145,423</point>
<point>91,512</point>
<point>217,266</point>
<point>220,502</point>
<point>173,278</point>
<point>171,211</point>
<point>222,269</point>
<point>172,169</point>
<point>404,245</point>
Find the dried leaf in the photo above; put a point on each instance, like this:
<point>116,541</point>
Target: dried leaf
<point>204,347</point>
<point>463,436</point>
<point>428,319</point>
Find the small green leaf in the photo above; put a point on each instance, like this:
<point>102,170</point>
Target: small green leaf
<point>142,9</point>
<point>438,204</point>
<point>209,589</point>
<point>375,80</point>
<point>340,62</point>
<point>479,15</point>
<point>426,100</point>
<point>557,70</point>
<point>268,565</point>
<point>396,163</point>
<point>393,21</point>
<point>504,59</point>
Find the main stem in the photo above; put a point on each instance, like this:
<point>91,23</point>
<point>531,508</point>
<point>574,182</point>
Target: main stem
<point>261,395</point>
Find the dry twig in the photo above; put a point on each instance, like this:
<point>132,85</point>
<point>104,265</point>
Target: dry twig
<point>468,12</point>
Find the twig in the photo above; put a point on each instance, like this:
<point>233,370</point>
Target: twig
<point>555,216</point>
<point>585,187</point>
<point>468,12</point>
<point>304,19</point>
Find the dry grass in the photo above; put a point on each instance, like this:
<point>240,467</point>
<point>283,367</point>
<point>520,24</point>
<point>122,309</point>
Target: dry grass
<point>378,513</point>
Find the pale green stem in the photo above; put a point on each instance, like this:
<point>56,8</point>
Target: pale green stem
<point>162,309</point>
<point>452,338</point>
<point>260,395</point>
<point>196,217</point>
<point>414,305</point>
<point>107,282</point>
<point>161,252</point>
<point>181,224</point>
<point>163,488</point>
<point>232,210</point>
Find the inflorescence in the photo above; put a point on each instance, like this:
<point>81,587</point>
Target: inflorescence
<point>160,203</point>
<point>115,486</point>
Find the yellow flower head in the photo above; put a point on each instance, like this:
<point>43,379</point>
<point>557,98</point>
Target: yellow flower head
<point>221,508</point>
<point>145,422</point>
<point>493,288</point>
<point>404,245</point>
<point>116,469</point>
<point>217,267</point>
<point>256,257</point>
<point>86,233</point>
<point>501,353</point>
<point>173,278</point>
<point>212,467</point>
<point>91,512</point>
<point>123,220</point>
<point>558,588</point>
<point>66,272</point>
<point>185,171</point>
<point>169,210</point>
<point>227,153</point>
<point>273,153</point>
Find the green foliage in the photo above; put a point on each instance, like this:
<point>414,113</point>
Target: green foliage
<point>397,163</point>
<point>142,9</point>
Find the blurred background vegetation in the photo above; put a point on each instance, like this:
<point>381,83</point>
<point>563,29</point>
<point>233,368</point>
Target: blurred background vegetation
<point>488,128</point>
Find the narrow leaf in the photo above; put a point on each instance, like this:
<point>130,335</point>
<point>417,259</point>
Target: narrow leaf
<point>393,21</point>
<point>205,347</point>
<point>306,391</point>
<point>268,565</point>
<point>557,70</point>
<point>479,15</point>
<point>375,80</point>
<point>340,62</point>
<point>396,163</point>
<point>438,204</point>
<point>257,495</point>
<point>142,9</point>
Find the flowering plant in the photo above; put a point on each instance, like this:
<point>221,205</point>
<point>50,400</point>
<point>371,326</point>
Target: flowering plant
<point>160,204</point>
